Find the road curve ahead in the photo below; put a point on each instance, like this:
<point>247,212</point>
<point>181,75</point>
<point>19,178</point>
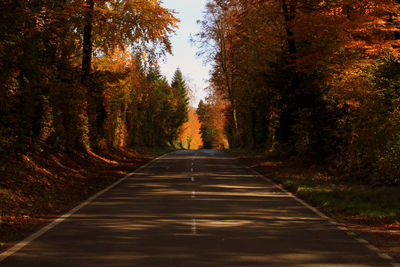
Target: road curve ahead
<point>196,208</point>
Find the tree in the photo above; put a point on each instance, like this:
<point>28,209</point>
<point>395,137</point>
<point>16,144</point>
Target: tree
<point>216,43</point>
<point>189,133</point>
<point>61,86</point>
<point>212,123</point>
<point>301,77</point>
<point>182,103</point>
<point>179,83</point>
<point>143,24</point>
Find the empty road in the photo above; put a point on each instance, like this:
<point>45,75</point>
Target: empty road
<point>196,208</point>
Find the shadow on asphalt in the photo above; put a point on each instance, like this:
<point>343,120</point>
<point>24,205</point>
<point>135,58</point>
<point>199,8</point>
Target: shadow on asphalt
<point>219,214</point>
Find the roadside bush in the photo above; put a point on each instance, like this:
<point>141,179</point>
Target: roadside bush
<point>370,151</point>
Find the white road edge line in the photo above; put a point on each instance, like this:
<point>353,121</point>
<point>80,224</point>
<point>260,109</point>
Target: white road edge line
<point>362,240</point>
<point>320,214</point>
<point>7,253</point>
<point>385,256</point>
<point>372,248</point>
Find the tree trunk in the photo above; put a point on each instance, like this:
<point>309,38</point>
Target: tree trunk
<point>287,119</point>
<point>289,13</point>
<point>87,40</point>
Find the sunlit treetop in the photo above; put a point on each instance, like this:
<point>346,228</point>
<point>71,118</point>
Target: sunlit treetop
<point>141,25</point>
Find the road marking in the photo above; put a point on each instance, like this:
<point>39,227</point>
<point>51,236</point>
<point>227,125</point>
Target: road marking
<point>372,248</point>
<point>320,214</point>
<point>361,240</point>
<point>63,217</point>
<point>350,233</point>
<point>385,256</point>
<point>194,226</point>
<point>195,154</point>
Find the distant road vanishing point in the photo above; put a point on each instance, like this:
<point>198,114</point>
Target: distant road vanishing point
<point>194,208</point>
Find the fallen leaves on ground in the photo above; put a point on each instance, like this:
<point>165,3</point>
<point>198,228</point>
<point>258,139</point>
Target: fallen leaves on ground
<point>36,188</point>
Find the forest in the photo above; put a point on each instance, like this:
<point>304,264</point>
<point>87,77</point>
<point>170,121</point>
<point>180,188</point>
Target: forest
<point>308,92</point>
<point>316,80</point>
<point>83,75</point>
<point>83,100</point>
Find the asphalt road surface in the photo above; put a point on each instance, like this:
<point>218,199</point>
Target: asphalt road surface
<point>196,208</point>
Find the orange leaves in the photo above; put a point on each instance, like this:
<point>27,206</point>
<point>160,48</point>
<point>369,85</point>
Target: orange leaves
<point>189,134</point>
<point>213,122</point>
<point>144,25</point>
<point>336,29</point>
<point>120,59</point>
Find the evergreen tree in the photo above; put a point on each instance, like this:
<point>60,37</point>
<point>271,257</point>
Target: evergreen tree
<point>179,83</point>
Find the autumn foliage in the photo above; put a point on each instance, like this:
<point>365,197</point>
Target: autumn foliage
<point>80,96</point>
<point>82,75</point>
<point>190,135</point>
<point>316,79</point>
<point>211,115</point>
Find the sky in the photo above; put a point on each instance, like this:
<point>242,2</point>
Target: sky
<point>183,52</point>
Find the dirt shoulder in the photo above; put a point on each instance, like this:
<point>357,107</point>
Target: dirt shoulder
<point>371,212</point>
<point>37,188</point>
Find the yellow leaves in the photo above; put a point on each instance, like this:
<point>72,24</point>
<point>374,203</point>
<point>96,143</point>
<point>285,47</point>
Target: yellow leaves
<point>351,86</point>
<point>189,134</point>
<point>143,24</point>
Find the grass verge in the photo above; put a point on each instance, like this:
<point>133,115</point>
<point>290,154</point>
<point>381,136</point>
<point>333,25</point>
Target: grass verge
<point>333,195</point>
<point>372,212</point>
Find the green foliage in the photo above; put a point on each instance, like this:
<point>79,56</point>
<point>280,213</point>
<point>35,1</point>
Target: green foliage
<point>332,194</point>
<point>154,115</point>
<point>208,135</point>
<point>355,200</point>
<point>183,101</point>
<point>179,83</point>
